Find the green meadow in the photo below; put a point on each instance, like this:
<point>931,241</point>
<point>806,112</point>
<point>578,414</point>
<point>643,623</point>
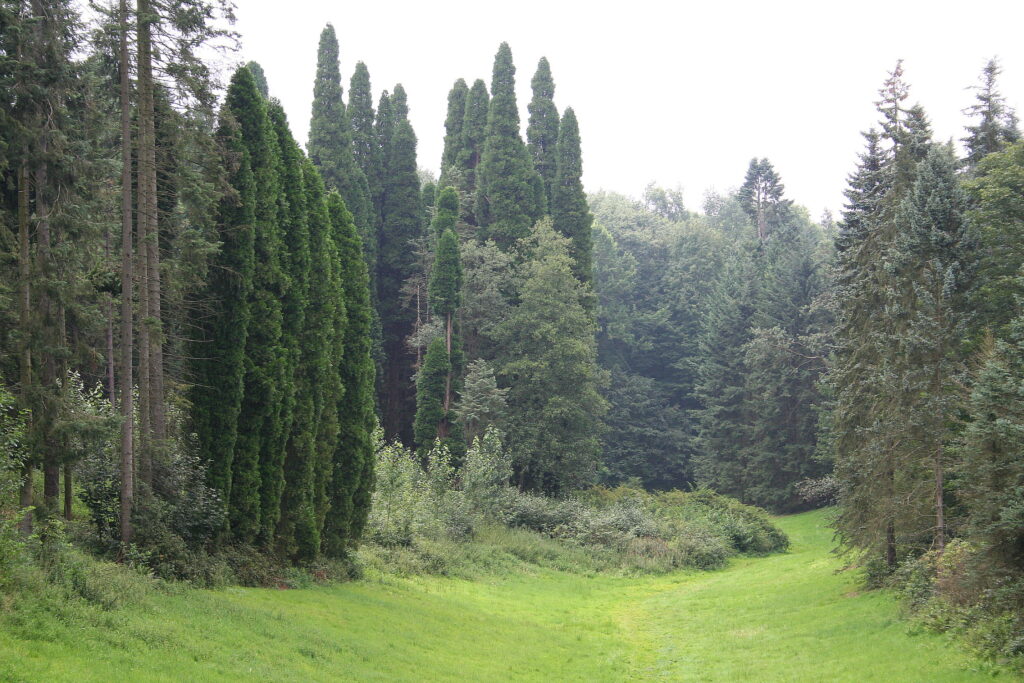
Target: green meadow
<point>784,617</point>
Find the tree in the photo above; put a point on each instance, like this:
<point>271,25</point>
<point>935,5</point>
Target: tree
<point>542,134</point>
<point>761,197</point>
<point>481,402</point>
<point>569,212</point>
<point>471,149</point>
<point>996,125</point>
<point>510,193</point>
<point>402,223</point>
<point>430,391</point>
<point>366,151</point>
<point>330,136</point>
<point>352,476</point>
<point>453,123</point>
<point>549,363</point>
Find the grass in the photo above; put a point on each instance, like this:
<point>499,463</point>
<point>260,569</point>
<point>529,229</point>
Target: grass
<point>785,617</point>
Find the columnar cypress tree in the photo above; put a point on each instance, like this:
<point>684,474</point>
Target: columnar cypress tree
<point>367,154</point>
<point>297,394</point>
<point>471,148</point>
<point>453,130</point>
<point>219,365</point>
<point>510,193</point>
<point>542,135</point>
<point>330,136</point>
<point>260,421</point>
<point>430,390</point>
<point>569,212</point>
<point>352,461</point>
<point>402,215</point>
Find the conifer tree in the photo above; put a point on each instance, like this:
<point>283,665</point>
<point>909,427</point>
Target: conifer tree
<point>569,211</point>
<point>549,362</point>
<point>430,390</point>
<point>367,154</point>
<point>761,197</point>
<point>330,136</point>
<point>474,131</point>
<point>453,130</point>
<point>260,420</point>
<point>221,341</point>
<point>402,216</point>
<point>296,392</point>
<point>996,123</point>
<point>353,458</point>
<point>510,193</point>
<point>260,77</point>
<point>542,134</point>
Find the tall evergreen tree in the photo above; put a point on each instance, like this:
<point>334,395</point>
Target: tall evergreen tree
<point>352,462</point>
<point>260,420</point>
<point>996,123</point>
<point>549,362</point>
<point>453,130</point>
<point>510,193</point>
<point>542,134</point>
<point>367,154</point>
<point>471,149</point>
<point>761,197</point>
<point>330,136</point>
<point>402,216</point>
<point>569,211</point>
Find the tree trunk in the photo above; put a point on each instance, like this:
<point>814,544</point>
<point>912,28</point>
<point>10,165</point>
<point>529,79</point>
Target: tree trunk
<point>940,504</point>
<point>890,547</point>
<point>25,302</point>
<point>127,444</point>
<point>68,493</point>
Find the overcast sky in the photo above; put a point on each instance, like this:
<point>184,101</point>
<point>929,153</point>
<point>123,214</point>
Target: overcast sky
<point>678,93</point>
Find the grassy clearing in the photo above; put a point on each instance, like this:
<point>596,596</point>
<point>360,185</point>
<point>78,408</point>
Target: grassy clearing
<point>777,618</point>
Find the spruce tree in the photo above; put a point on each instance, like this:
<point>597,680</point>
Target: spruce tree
<point>549,363</point>
<point>510,193</point>
<point>996,123</point>
<point>569,211</point>
<point>542,134</point>
<point>453,130</point>
<point>353,458</point>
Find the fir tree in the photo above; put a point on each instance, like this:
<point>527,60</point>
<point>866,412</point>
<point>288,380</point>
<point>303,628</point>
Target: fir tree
<point>569,211</point>
<point>542,134</point>
<point>510,193</point>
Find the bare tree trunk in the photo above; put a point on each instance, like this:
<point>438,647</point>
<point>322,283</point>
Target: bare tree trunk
<point>25,302</point>
<point>940,504</point>
<point>48,380</point>
<point>127,445</point>
<point>68,493</point>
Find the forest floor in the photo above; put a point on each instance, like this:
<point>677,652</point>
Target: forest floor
<point>785,617</point>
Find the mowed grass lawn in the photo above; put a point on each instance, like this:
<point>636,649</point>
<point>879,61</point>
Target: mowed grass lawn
<point>780,618</point>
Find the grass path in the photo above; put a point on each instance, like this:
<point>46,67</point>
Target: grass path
<point>780,618</point>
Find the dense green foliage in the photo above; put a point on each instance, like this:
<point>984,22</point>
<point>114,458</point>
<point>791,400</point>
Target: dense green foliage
<point>569,211</point>
<point>542,133</point>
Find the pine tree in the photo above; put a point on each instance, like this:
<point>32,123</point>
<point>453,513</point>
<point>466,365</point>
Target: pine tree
<point>402,224</point>
<point>453,131</point>
<point>549,363</point>
<point>510,193</point>
<point>352,462</point>
<point>330,136</point>
<point>542,134</point>
<point>996,125</point>
<point>569,211</point>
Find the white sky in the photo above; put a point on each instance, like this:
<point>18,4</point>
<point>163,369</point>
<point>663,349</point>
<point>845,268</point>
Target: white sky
<point>672,92</point>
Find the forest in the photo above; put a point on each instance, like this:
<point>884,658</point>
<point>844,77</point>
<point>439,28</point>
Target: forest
<point>230,357</point>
